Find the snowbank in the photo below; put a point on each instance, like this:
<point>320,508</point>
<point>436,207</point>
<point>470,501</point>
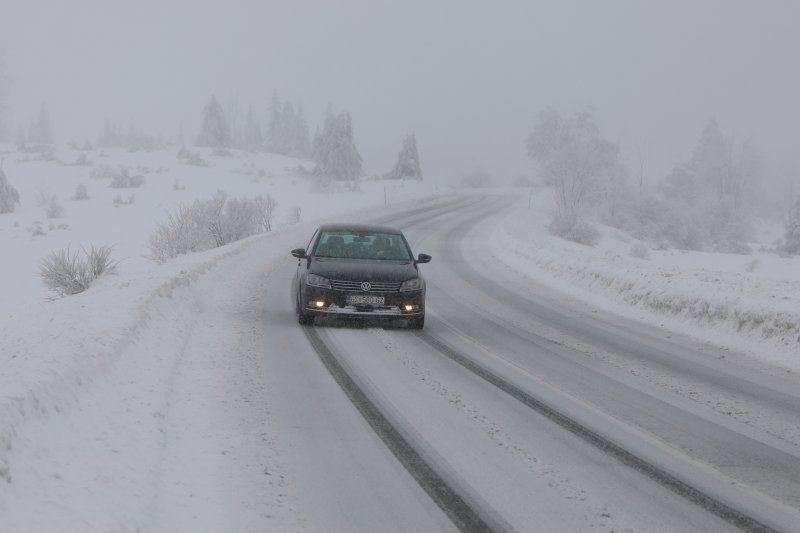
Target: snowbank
<point>740,302</point>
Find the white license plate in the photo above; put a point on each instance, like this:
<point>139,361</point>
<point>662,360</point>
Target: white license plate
<point>364,299</point>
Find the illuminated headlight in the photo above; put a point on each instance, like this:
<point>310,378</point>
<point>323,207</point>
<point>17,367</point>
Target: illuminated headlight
<point>318,281</point>
<point>411,285</point>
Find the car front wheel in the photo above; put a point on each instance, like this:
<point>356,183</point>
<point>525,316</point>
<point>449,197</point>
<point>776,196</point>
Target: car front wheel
<point>416,322</point>
<point>303,318</point>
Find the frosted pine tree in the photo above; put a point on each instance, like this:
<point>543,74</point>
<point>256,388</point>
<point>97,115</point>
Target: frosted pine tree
<point>337,155</point>
<point>301,143</point>
<point>39,130</point>
<point>272,140</point>
<point>215,131</point>
<point>407,166</point>
<point>253,139</point>
<point>9,197</point>
<point>791,239</point>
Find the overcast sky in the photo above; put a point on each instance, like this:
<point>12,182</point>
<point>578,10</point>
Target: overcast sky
<point>468,77</point>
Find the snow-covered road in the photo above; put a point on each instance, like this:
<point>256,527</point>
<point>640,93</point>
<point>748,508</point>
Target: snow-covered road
<point>530,410</point>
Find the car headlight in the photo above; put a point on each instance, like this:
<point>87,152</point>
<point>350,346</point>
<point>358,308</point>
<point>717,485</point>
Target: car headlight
<point>318,281</point>
<point>411,285</point>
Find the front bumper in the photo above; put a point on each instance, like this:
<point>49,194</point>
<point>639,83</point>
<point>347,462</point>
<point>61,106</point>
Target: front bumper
<point>334,303</point>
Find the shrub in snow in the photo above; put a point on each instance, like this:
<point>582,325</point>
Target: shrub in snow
<point>123,180</point>
<point>54,209</point>
<point>663,221</point>
<point>82,161</point>
<point>119,200</point>
<point>265,210</point>
<point>176,185</point>
<point>752,265</point>
<point>791,239</point>
<point>640,251</point>
<point>728,228</point>
<point>208,224</point>
<point>567,226</point>
<point>9,197</point>
<point>80,193</point>
<point>191,158</point>
<point>65,272</point>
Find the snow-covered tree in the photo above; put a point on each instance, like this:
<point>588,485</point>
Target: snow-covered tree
<point>253,139</point>
<point>791,239</point>
<point>9,197</point>
<point>575,160</point>
<point>275,126</point>
<point>215,131</point>
<point>407,165</point>
<point>336,153</point>
<point>287,132</point>
<point>39,131</point>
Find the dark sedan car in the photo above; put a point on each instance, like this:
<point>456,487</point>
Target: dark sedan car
<point>359,270</point>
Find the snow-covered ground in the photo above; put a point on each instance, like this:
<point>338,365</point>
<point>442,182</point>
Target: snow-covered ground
<point>126,335</point>
<point>744,302</point>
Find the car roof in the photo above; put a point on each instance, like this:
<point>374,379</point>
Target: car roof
<point>367,228</point>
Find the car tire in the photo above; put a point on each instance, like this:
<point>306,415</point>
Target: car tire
<point>416,322</point>
<point>303,319</point>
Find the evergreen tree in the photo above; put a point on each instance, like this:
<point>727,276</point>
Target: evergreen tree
<point>791,238</point>
<point>39,130</point>
<point>301,134</point>
<point>407,165</point>
<point>275,126</point>
<point>711,162</point>
<point>337,154</point>
<point>215,131</point>
<point>253,139</point>
<point>9,197</point>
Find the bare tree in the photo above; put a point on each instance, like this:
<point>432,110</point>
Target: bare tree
<point>575,160</point>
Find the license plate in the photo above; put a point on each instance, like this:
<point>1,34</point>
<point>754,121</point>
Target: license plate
<point>364,299</point>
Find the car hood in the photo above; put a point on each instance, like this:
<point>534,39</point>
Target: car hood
<point>364,270</point>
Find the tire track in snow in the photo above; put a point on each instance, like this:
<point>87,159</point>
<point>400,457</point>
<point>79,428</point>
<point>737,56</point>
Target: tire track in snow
<point>465,516</point>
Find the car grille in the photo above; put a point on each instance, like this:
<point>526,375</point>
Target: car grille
<point>375,286</point>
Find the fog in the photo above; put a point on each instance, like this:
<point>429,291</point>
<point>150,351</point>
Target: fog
<point>468,77</point>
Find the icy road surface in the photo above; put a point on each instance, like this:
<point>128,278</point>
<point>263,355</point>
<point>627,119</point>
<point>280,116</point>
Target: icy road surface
<point>516,408</point>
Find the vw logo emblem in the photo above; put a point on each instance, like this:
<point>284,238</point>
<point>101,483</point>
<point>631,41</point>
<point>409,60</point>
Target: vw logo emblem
<point>366,286</point>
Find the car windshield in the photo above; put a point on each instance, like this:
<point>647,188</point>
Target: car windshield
<point>362,245</point>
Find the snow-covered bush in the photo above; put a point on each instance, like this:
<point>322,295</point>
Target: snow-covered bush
<point>124,180</point>
<point>119,200</point>
<point>80,193</point>
<point>65,272</point>
<point>265,210</point>
<point>54,209</point>
<point>665,222</point>
<point>566,226</point>
<point>191,158</point>
<point>208,224</point>
<point>9,197</point>
<point>728,228</point>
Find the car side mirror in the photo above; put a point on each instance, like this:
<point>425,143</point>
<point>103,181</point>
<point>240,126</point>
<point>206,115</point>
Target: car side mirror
<point>423,258</point>
<point>299,253</point>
